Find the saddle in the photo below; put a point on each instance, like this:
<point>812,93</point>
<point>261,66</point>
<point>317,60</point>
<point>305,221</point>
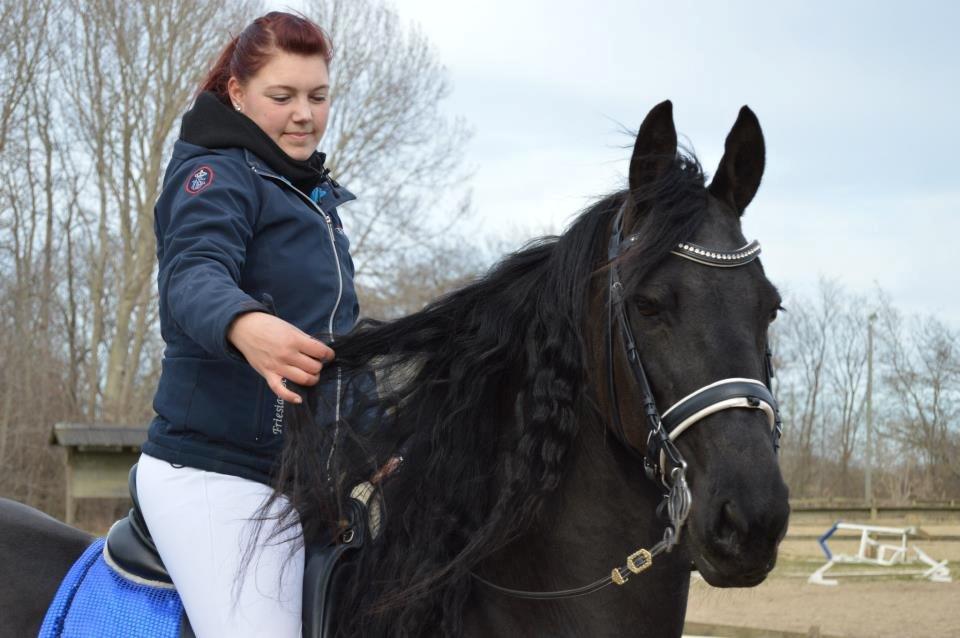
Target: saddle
<point>131,552</point>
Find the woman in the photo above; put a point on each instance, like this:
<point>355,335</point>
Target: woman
<point>253,260</point>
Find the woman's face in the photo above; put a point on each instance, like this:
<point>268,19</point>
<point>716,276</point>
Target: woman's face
<point>289,98</point>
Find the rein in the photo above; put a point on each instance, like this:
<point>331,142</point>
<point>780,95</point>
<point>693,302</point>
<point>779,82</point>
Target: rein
<point>662,461</point>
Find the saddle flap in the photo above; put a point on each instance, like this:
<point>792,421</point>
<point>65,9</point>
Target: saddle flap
<point>129,549</point>
<point>126,553</point>
<point>326,570</point>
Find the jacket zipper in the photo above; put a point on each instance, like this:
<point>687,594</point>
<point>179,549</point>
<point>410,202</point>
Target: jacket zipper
<point>336,260</point>
<point>330,235</point>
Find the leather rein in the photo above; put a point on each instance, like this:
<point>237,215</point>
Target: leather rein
<point>662,461</point>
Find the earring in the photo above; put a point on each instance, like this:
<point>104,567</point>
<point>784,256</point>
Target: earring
<point>237,106</point>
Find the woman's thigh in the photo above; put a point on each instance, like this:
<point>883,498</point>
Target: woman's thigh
<point>200,522</point>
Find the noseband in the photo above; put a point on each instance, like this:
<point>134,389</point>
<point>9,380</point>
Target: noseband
<point>662,461</point>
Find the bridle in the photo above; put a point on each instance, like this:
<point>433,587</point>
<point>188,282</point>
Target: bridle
<point>662,461</point>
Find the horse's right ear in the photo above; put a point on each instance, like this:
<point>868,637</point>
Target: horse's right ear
<point>654,151</point>
<point>741,167</point>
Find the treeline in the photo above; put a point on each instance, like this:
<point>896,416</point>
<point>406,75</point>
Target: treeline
<point>90,98</point>
<point>91,94</point>
<point>821,354</point>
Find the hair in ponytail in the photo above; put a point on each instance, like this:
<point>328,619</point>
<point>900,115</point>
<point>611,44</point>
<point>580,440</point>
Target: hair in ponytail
<point>248,52</point>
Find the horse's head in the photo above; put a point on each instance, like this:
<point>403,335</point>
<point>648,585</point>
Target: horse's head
<point>700,316</point>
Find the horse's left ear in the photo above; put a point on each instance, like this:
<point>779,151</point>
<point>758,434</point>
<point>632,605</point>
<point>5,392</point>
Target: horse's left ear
<point>656,147</point>
<point>741,167</point>
<point>654,152</point>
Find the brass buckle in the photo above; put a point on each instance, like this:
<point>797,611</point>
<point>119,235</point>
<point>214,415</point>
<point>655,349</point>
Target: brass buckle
<point>637,566</point>
<point>637,562</point>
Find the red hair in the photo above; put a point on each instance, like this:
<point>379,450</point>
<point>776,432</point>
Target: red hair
<point>247,53</point>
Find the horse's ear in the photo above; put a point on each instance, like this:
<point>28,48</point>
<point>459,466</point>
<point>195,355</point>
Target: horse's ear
<point>656,147</point>
<point>741,167</point>
<point>655,150</point>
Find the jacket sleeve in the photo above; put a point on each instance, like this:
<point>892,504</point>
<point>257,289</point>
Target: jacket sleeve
<point>205,217</point>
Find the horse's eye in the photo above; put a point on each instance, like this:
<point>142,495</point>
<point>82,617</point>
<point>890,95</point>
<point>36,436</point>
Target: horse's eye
<point>775,313</point>
<point>646,307</point>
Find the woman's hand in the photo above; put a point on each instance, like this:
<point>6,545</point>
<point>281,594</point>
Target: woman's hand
<point>279,350</point>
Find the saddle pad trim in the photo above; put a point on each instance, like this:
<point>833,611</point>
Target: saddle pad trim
<point>95,600</point>
<point>52,625</point>
<point>133,578</point>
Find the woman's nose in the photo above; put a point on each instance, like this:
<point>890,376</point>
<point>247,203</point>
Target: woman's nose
<point>302,112</point>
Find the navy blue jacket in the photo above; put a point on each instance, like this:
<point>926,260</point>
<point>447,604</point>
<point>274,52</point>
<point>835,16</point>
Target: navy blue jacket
<point>233,236</point>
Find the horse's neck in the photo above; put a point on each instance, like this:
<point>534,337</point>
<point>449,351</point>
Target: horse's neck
<point>605,511</point>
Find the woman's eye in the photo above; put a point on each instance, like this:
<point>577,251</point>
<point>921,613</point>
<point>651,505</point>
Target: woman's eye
<point>319,98</point>
<point>280,99</point>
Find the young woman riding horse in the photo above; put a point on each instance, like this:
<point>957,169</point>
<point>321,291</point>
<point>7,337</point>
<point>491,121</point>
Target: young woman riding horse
<point>254,271</point>
<point>596,396</point>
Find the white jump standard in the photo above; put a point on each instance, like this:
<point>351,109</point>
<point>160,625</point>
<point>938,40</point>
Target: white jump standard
<point>874,552</point>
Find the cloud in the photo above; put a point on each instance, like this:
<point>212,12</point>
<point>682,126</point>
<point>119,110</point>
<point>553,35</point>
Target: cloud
<point>855,100</point>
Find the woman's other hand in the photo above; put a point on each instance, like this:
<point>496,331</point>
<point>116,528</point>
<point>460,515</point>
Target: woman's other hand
<point>279,350</point>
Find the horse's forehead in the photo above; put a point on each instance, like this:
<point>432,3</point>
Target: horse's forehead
<point>746,285</point>
<point>721,229</point>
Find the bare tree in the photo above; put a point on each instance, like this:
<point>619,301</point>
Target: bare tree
<point>389,140</point>
<point>23,26</point>
<point>804,336</point>
<point>90,97</point>
<point>920,360</point>
<point>847,382</point>
<point>29,364</point>
<point>130,69</point>
<point>419,281</point>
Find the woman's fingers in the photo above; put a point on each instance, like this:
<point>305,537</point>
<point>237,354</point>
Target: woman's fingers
<point>307,364</point>
<point>279,350</point>
<point>275,381</point>
<point>316,349</point>
<point>298,376</point>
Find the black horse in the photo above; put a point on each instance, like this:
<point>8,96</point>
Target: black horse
<point>525,415</point>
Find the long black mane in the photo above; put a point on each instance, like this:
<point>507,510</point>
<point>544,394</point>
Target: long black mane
<point>487,389</point>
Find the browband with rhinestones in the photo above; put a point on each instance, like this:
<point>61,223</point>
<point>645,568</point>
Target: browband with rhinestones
<point>701,255</point>
<point>719,258</point>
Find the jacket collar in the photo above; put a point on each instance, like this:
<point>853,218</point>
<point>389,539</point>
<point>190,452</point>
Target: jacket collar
<point>212,124</point>
<point>331,193</point>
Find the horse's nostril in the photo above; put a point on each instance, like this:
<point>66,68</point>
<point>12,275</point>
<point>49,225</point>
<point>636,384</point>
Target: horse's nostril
<point>733,519</point>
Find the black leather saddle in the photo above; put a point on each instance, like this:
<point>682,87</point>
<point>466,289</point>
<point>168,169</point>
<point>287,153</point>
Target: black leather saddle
<point>131,551</point>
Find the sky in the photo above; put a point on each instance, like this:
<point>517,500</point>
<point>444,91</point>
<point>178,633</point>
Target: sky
<point>858,102</point>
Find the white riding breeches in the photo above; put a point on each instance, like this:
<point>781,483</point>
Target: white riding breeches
<point>201,524</point>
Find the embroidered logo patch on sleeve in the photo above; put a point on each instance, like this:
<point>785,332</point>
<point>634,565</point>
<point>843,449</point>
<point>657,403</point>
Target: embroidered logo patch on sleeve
<point>199,180</point>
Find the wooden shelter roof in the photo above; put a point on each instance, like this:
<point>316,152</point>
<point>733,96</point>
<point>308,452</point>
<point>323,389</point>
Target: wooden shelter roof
<point>94,435</point>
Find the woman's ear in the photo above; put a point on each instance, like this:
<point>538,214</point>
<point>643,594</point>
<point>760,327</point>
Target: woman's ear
<point>235,91</point>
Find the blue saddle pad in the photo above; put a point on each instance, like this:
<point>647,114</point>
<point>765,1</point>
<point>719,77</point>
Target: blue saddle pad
<point>95,600</point>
